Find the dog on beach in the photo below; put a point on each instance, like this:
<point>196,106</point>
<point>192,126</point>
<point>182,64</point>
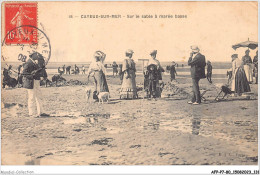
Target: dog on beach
<point>103,96</point>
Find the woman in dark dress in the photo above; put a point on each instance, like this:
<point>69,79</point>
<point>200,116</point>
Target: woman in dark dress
<point>151,81</point>
<point>154,74</point>
<point>173,71</point>
<point>115,66</point>
<point>209,71</point>
<point>239,82</point>
<point>121,73</point>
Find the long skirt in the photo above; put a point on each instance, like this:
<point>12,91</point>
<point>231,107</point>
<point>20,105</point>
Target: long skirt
<point>241,83</point>
<point>128,88</point>
<point>172,76</point>
<point>154,89</point>
<point>249,72</point>
<point>100,82</point>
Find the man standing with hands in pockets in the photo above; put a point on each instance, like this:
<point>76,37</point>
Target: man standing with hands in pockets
<point>197,62</point>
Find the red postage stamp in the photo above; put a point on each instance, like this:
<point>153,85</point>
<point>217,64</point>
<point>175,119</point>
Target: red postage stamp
<point>18,19</point>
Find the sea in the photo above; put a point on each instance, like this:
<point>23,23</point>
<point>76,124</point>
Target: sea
<point>183,70</point>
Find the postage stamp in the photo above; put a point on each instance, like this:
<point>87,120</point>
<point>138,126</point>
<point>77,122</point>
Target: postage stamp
<point>20,50</point>
<point>17,15</point>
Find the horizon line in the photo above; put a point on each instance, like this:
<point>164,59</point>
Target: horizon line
<point>107,61</point>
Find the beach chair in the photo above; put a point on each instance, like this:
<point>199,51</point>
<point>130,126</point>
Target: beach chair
<point>225,90</point>
<point>201,95</point>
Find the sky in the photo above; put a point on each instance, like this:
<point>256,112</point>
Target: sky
<point>213,26</point>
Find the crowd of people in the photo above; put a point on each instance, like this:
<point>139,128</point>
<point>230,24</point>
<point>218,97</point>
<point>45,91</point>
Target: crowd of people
<point>69,70</point>
<point>243,71</point>
<point>127,73</point>
<point>33,69</point>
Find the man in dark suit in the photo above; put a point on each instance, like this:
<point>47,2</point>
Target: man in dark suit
<point>197,62</point>
<point>34,70</point>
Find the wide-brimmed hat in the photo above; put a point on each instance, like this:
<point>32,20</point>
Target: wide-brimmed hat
<point>129,51</point>
<point>154,52</point>
<point>98,54</point>
<point>195,48</point>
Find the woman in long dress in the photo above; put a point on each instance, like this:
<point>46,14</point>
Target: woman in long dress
<point>153,81</point>
<point>173,71</point>
<point>239,83</point>
<point>128,88</point>
<point>97,70</point>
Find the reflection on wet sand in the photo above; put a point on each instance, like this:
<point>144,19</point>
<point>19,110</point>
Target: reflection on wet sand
<point>144,133</point>
<point>33,162</point>
<point>195,126</point>
<point>21,159</point>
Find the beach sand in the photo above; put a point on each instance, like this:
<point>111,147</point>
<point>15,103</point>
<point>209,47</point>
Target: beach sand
<point>166,131</point>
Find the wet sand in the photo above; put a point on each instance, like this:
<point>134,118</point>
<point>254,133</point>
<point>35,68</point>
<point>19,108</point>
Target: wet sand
<point>167,131</point>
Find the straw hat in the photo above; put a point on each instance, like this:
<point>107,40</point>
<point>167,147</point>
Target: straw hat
<point>98,54</point>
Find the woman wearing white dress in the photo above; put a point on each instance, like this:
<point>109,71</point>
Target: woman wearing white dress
<point>128,89</point>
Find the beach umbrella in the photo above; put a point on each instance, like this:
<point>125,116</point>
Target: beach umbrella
<point>248,44</point>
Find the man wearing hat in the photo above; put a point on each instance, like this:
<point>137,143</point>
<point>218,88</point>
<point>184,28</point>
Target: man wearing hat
<point>34,70</point>
<point>197,63</point>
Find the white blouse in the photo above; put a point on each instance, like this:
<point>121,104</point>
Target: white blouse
<point>96,66</point>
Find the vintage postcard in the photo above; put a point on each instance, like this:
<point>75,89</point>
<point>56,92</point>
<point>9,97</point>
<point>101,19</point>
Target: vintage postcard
<point>129,83</point>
